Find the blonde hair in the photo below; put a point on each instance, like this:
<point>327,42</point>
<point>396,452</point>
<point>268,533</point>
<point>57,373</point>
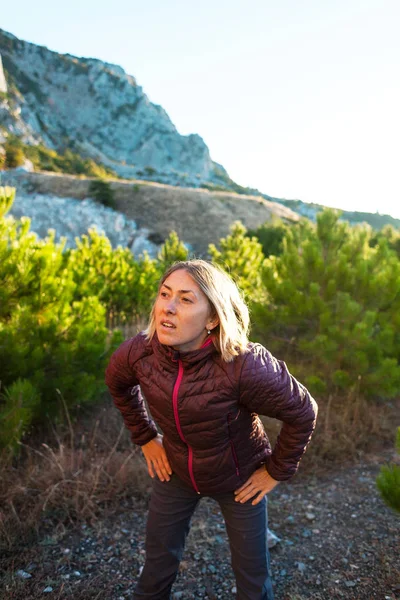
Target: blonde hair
<point>226,301</point>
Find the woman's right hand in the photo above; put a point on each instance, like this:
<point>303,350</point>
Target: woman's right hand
<point>156,458</point>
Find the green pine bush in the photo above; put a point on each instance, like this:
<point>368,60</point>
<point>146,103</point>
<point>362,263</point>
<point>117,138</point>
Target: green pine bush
<point>333,307</point>
<point>271,235</point>
<point>242,257</point>
<point>124,286</point>
<point>101,191</point>
<point>48,338</point>
<point>173,250</point>
<point>47,159</point>
<point>14,156</point>
<point>388,481</point>
<point>19,403</point>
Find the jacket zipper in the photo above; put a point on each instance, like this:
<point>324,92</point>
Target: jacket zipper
<point>235,458</point>
<point>178,425</point>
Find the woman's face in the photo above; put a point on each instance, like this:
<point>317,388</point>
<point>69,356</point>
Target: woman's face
<point>182,313</point>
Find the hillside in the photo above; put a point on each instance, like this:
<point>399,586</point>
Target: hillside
<point>98,110</point>
<point>82,115</point>
<point>199,216</point>
<point>311,209</point>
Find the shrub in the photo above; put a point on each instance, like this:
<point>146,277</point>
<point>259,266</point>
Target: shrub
<point>48,339</point>
<point>333,307</point>
<point>109,275</point>
<point>271,235</point>
<point>243,258</point>
<point>100,190</point>
<point>172,251</point>
<point>388,481</point>
<point>150,171</point>
<point>46,159</point>
<point>392,236</point>
<point>14,155</point>
<point>19,403</point>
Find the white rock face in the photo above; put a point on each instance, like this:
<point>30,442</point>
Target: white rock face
<point>71,218</point>
<point>98,109</point>
<point>198,216</point>
<point>27,166</point>
<point>3,83</point>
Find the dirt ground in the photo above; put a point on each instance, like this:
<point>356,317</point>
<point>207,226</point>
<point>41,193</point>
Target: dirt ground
<point>337,540</point>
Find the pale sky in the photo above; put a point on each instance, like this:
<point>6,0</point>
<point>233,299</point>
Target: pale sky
<point>298,98</point>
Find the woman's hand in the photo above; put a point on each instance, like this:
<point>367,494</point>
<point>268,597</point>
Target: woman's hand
<point>156,458</point>
<point>260,482</point>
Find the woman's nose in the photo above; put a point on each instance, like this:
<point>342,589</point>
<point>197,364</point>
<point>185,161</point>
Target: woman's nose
<point>170,307</point>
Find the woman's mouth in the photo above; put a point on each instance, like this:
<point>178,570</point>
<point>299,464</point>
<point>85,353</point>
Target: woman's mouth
<point>168,325</point>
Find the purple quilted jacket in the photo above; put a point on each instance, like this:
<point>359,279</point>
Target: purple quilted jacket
<point>208,410</point>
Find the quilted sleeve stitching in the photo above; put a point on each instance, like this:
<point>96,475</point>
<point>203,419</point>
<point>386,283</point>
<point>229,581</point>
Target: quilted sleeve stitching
<point>269,389</point>
<point>124,387</point>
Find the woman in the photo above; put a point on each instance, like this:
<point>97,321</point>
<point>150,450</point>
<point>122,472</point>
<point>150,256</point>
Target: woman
<point>205,385</point>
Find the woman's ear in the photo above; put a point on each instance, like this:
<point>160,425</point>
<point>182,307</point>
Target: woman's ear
<point>213,323</point>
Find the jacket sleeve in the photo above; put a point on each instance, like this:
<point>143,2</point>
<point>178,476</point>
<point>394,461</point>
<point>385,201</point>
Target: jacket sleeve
<point>267,388</point>
<point>124,388</point>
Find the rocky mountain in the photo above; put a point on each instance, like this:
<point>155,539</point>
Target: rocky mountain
<point>98,110</point>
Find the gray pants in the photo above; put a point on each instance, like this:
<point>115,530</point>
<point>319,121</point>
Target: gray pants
<point>171,507</point>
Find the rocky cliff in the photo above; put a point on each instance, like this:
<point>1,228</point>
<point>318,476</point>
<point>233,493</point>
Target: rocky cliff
<point>200,217</point>
<point>3,83</point>
<point>98,110</point>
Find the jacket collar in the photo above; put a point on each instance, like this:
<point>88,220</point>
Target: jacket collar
<point>167,355</point>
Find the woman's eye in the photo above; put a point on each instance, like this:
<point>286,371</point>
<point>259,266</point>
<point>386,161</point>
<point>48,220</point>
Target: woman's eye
<point>163,294</point>
<point>187,300</point>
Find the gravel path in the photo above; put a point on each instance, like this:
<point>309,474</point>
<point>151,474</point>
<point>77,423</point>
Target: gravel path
<point>337,540</point>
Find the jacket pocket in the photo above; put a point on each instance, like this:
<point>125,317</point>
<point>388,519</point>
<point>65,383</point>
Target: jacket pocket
<point>230,420</point>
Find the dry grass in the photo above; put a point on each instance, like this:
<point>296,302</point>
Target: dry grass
<point>352,424</point>
<point>347,428</point>
<point>84,474</point>
<point>91,466</point>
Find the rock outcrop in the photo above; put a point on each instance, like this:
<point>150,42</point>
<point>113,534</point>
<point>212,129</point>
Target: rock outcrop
<point>101,112</point>
<point>198,216</point>
<point>3,83</point>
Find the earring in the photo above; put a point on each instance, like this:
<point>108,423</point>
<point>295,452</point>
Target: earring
<point>208,331</point>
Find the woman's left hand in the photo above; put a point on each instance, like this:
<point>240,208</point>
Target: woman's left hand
<point>259,483</point>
